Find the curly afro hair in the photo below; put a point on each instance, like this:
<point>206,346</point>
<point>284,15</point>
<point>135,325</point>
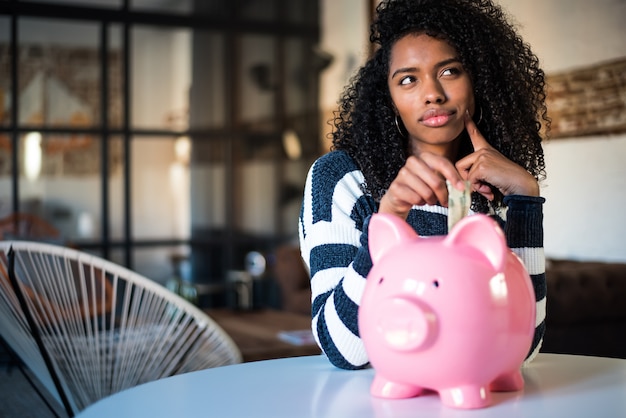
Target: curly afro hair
<point>509,89</point>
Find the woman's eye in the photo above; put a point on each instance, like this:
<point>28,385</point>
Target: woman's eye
<point>450,71</point>
<point>407,80</point>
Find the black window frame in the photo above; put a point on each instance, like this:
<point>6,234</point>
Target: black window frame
<point>228,23</point>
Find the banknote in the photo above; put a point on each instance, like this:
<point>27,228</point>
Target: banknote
<point>459,202</point>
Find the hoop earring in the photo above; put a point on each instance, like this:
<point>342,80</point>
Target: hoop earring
<point>403,133</point>
<point>480,116</point>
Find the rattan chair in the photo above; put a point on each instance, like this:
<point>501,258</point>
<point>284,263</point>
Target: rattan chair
<point>88,328</point>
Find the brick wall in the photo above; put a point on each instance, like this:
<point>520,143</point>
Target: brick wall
<point>588,101</point>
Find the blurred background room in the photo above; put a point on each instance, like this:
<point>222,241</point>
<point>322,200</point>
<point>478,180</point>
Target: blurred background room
<point>173,137</point>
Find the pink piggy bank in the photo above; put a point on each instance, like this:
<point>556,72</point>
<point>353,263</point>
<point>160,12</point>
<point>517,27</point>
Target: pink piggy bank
<point>454,314</point>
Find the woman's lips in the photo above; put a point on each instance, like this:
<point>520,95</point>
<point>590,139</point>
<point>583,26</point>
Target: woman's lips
<point>435,118</point>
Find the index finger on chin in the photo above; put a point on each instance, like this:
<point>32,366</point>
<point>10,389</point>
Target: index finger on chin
<point>478,140</point>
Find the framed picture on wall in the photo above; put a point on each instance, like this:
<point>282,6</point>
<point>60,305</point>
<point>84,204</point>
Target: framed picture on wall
<point>588,101</point>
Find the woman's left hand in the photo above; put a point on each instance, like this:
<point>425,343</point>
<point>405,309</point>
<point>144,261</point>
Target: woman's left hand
<point>486,168</point>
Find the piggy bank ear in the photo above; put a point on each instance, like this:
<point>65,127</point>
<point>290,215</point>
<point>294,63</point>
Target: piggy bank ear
<point>385,232</point>
<point>483,234</point>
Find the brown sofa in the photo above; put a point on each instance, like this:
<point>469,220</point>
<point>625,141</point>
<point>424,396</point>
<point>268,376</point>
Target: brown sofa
<point>293,281</point>
<point>586,308</point>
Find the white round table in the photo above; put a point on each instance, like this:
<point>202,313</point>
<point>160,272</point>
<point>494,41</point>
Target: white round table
<point>299,387</point>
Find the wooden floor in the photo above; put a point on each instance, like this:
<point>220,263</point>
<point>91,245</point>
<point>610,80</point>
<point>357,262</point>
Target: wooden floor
<point>256,332</point>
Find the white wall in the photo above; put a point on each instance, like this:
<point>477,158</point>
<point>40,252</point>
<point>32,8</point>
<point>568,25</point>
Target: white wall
<point>345,35</point>
<point>586,188</point>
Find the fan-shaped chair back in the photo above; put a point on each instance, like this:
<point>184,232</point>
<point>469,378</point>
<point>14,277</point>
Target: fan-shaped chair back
<point>96,328</point>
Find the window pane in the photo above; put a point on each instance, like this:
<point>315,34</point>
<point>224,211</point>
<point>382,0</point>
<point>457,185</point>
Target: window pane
<point>212,8</point>
<point>6,147</point>
<point>116,255</point>
<point>116,83</point>
<point>301,11</point>
<point>257,83</point>
<point>116,188</point>
<point>160,187</point>
<point>6,167</point>
<point>157,263</point>
<point>175,6</point>
<point>262,10</point>
<point>161,78</point>
<point>207,93</point>
<point>87,3</point>
<point>210,197</point>
<point>5,75</point>
<point>208,183</point>
<point>298,77</point>
<point>303,65</point>
<point>257,197</point>
<point>60,183</point>
<point>59,73</point>
<point>290,200</point>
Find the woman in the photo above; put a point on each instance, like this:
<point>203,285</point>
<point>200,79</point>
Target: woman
<point>452,94</point>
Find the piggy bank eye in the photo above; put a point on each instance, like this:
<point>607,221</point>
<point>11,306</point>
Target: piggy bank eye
<point>380,281</point>
<point>435,283</point>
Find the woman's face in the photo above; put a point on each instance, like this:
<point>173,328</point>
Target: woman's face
<point>431,91</point>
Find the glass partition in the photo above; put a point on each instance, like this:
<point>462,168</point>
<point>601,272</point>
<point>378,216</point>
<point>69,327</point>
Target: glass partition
<point>161,263</point>
<point>261,10</point>
<point>60,183</point>
<point>207,92</point>
<point>89,3</point>
<point>257,83</point>
<point>115,84</point>
<point>161,78</point>
<point>116,188</point>
<point>160,187</point>
<point>6,81</point>
<point>6,140</point>
<point>168,6</point>
<point>59,68</point>
<point>195,149</point>
<point>6,170</point>
<point>301,11</point>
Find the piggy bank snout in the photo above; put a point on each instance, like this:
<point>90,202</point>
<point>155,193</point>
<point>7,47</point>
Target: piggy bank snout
<point>405,324</point>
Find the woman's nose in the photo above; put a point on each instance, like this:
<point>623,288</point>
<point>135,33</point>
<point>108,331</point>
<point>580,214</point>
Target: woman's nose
<point>433,92</point>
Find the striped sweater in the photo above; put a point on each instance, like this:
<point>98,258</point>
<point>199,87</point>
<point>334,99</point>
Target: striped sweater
<point>333,240</point>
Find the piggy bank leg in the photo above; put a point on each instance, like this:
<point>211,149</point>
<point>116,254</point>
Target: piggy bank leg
<point>466,397</point>
<point>508,382</point>
<point>384,388</point>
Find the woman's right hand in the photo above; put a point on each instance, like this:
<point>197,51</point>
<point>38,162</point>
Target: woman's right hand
<point>421,181</point>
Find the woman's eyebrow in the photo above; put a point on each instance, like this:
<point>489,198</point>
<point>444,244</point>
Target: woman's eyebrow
<point>448,62</point>
<point>440,64</point>
<point>404,70</point>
